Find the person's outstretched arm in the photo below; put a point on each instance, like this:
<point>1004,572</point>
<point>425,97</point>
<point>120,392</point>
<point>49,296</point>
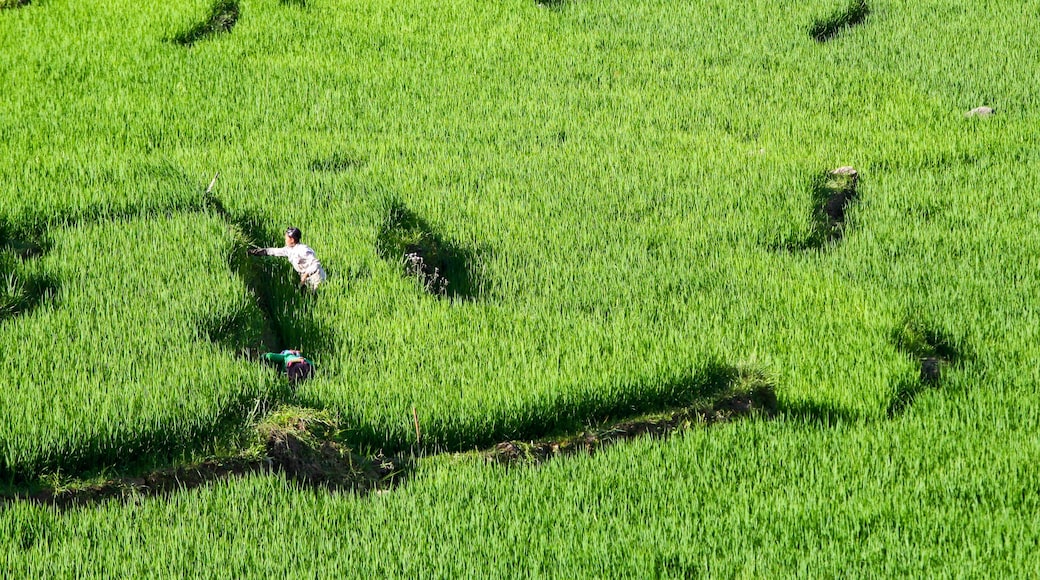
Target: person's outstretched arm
<point>279,252</point>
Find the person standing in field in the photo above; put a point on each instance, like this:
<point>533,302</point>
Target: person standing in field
<point>295,366</point>
<point>301,256</point>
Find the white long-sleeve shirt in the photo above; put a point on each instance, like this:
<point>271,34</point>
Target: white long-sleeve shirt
<point>300,256</point>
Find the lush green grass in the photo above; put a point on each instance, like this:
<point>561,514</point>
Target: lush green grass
<point>625,174</point>
<point>727,501</point>
<point>119,362</point>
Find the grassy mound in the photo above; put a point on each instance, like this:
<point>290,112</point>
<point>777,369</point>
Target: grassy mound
<point>9,4</point>
<point>223,16</point>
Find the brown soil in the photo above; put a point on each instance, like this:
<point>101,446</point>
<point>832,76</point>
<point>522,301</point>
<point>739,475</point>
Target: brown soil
<point>303,457</point>
<point>305,449</point>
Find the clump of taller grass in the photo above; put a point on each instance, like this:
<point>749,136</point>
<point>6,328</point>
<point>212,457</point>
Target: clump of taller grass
<point>6,4</point>
<point>223,16</point>
<point>853,13</point>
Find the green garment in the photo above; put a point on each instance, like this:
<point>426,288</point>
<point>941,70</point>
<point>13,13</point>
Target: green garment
<point>286,358</point>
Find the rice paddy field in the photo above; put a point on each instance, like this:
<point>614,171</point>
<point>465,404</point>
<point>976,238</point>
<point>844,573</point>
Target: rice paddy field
<point>536,218</point>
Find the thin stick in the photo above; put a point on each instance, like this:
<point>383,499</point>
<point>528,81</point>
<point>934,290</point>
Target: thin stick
<point>415,417</point>
<point>212,183</point>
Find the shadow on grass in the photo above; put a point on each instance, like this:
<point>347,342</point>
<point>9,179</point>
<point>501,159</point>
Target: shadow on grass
<point>753,398</point>
<point>706,385</point>
<point>817,414</point>
<point>852,14</point>
<point>21,293</point>
<point>299,444</point>
<point>443,268</point>
<point>832,192</point>
<point>335,163</point>
<point>12,4</point>
<point>26,242</point>
<point>222,17</point>
<point>934,350</point>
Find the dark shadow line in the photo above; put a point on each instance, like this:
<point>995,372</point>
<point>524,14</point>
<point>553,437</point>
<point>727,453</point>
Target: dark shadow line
<point>335,163</point>
<point>545,420</point>
<point>445,269</point>
<point>853,14</point>
<point>136,451</point>
<point>222,17</point>
<point>832,192</point>
<point>758,402</point>
<point>368,475</point>
<point>817,414</point>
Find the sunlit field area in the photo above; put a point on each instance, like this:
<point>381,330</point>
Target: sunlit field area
<point>645,288</point>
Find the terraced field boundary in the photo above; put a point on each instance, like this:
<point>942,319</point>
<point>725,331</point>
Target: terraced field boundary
<point>835,190</point>
<point>309,447</point>
<point>315,449</point>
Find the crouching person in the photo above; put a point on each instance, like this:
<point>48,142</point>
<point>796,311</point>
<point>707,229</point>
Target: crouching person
<point>292,362</point>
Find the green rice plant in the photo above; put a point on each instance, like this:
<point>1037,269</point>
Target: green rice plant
<point>619,265</point>
<point>336,162</point>
<point>122,362</point>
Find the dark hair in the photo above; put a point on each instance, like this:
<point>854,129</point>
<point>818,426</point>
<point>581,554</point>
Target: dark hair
<point>294,233</point>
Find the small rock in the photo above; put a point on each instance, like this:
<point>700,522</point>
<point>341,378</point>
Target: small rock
<point>979,112</point>
<point>845,170</point>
